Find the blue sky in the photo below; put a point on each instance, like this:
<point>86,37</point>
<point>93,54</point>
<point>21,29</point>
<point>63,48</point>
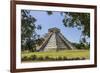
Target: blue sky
<point>55,20</point>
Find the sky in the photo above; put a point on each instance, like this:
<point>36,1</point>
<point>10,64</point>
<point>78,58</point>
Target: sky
<point>55,20</point>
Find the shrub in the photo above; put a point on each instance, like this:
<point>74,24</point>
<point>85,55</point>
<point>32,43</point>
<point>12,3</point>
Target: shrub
<point>77,58</point>
<point>33,57</point>
<point>65,58</point>
<point>40,58</point>
<point>59,58</point>
<point>83,58</point>
<point>47,58</point>
<point>25,58</point>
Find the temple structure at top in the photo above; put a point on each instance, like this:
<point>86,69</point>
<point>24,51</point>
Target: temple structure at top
<point>56,41</point>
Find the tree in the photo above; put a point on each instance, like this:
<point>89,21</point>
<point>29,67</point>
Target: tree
<point>79,20</point>
<point>81,46</point>
<point>28,33</point>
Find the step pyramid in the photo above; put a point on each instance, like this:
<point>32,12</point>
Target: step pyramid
<point>55,41</point>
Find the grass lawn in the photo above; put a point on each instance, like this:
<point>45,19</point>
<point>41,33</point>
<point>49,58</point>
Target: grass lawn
<point>54,54</point>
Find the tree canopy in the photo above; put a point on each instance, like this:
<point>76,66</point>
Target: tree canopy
<point>79,20</point>
<point>28,33</point>
<point>29,37</point>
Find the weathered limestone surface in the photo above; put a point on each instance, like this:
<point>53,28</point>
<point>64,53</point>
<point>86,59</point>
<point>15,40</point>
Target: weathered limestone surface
<point>51,43</point>
<point>56,41</point>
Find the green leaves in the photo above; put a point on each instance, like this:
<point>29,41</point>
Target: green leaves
<point>75,19</point>
<point>79,20</point>
<point>49,12</point>
<point>28,31</point>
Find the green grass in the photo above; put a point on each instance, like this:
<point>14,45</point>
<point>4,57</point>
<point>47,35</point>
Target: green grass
<point>54,54</point>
